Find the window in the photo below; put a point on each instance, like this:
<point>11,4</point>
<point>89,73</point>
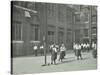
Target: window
<point>17,31</point>
<point>69,35</point>
<point>94,18</point>
<point>50,33</point>
<point>69,16</point>
<point>50,9</point>
<point>77,36</point>
<point>50,36</point>
<point>94,31</point>
<point>34,32</point>
<point>86,32</point>
<point>77,17</point>
<point>60,34</point>
<point>86,17</point>
<point>61,15</point>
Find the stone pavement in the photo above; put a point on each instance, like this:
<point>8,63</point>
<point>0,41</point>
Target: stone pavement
<point>31,64</point>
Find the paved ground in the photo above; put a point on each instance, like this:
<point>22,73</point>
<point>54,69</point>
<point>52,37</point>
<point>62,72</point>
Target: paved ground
<point>31,64</point>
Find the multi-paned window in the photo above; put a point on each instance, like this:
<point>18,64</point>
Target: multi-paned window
<point>51,33</point>
<point>17,31</point>
<point>61,15</point>
<point>77,35</point>
<point>94,18</point>
<point>51,36</point>
<point>60,34</point>
<point>34,32</point>
<point>86,32</point>
<point>94,30</point>
<point>77,18</point>
<point>69,35</point>
<point>50,9</point>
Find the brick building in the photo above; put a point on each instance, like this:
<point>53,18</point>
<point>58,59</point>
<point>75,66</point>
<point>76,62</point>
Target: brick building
<point>88,23</point>
<point>35,23</point>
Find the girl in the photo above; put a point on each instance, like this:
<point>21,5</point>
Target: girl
<point>62,52</point>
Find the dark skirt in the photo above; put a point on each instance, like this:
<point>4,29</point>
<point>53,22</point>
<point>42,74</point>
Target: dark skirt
<point>53,56</point>
<point>62,54</point>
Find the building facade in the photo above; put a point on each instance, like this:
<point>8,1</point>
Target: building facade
<point>85,30</point>
<point>36,23</point>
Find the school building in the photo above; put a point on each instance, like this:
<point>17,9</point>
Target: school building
<point>36,23</point>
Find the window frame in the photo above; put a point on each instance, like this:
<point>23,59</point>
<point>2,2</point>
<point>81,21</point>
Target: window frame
<point>15,40</point>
